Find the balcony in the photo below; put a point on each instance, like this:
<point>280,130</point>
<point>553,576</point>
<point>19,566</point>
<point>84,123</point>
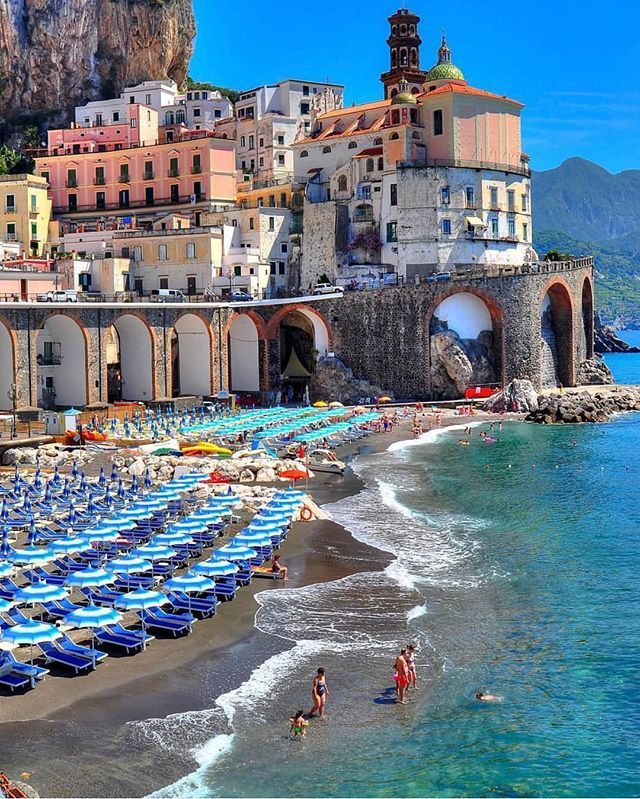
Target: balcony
<point>174,173</point>
<point>124,177</point>
<point>11,237</point>
<point>72,183</point>
<point>99,181</point>
<point>183,199</point>
<point>49,359</point>
<point>148,176</point>
<point>10,209</point>
<point>34,212</point>
<point>196,170</point>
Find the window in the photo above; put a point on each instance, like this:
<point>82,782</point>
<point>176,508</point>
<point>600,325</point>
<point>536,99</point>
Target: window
<point>281,267</point>
<point>494,226</point>
<point>280,159</point>
<point>175,193</point>
<point>511,200</point>
<point>283,200</point>
<point>237,271</point>
<point>524,204</point>
<point>45,175</point>
<point>342,183</point>
<point>163,282</point>
<point>196,112</point>
<point>217,113</point>
<point>73,202</point>
<point>99,177</point>
<point>445,195</point>
<point>126,252</point>
<point>100,200</point>
<point>512,227</point>
<point>326,149</point>
<point>148,170</point>
<point>251,223</point>
<point>394,194</point>
<point>395,117</point>
<point>392,231</point>
<point>446,227</point>
<point>272,201</point>
<point>191,249</point>
<point>116,116</point>
<point>394,137</point>
<point>251,142</point>
<point>304,154</point>
<point>272,223</point>
<point>243,141</point>
<point>196,166</point>
<point>162,252</point>
<point>470,196</point>
<point>72,178</point>
<point>284,248</point>
<point>261,161</point>
<point>147,99</point>
<point>124,173</point>
<point>180,117</point>
<point>438,126</point>
<point>369,165</point>
<point>304,108</point>
<point>134,123</point>
<point>11,231</point>
<point>363,192</point>
<point>272,267</point>
<point>525,231</point>
<point>305,91</point>
<point>353,145</point>
<point>11,202</point>
<point>98,119</point>
<point>493,192</point>
<point>137,253</point>
<point>174,169</point>
<point>197,190</point>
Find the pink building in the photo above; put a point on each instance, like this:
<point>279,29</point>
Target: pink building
<point>121,168</point>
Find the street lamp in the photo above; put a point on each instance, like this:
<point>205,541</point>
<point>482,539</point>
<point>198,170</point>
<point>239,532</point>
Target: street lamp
<point>13,395</point>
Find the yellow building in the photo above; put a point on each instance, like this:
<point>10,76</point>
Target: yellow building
<point>277,195</point>
<point>25,211</point>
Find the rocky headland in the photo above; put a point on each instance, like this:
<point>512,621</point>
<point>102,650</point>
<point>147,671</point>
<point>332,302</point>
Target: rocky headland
<point>605,339</point>
<point>571,407</point>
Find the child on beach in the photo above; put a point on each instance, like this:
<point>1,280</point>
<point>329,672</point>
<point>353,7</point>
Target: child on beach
<point>298,725</point>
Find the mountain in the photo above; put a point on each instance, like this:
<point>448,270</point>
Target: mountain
<point>56,54</point>
<point>587,202</point>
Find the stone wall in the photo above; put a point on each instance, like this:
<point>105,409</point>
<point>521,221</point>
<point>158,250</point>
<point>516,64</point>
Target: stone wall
<point>319,250</point>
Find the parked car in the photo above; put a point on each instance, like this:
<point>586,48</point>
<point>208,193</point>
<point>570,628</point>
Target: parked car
<point>439,277</point>
<point>327,288</point>
<point>241,296</point>
<point>167,295</point>
<point>61,295</point>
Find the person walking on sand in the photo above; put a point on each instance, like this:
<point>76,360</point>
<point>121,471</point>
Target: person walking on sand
<point>319,693</point>
<point>409,656</point>
<point>403,676</point>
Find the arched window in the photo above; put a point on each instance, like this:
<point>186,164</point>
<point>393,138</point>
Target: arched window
<point>224,135</point>
<point>394,30</point>
<point>180,118</point>
<point>363,213</point>
<point>342,183</point>
<point>394,136</point>
<point>304,154</point>
<point>394,91</point>
<point>369,165</point>
<point>415,90</point>
<point>395,117</point>
<point>353,145</point>
<point>380,164</point>
<point>168,118</point>
<point>413,115</point>
<point>326,149</point>
<point>414,56</point>
<point>403,29</point>
<point>377,142</point>
<point>394,58</point>
<point>404,57</point>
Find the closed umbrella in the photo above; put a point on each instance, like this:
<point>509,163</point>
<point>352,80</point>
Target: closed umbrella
<point>91,617</point>
<point>142,600</point>
<point>32,632</point>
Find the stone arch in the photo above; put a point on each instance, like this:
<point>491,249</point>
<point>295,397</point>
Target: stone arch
<point>587,316</point>
<point>556,335</point>
<point>191,356</point>
<point>61,361</point>
<point>8,350</point>
<point>465,332</point>
<point>130,359</point>
<point>322,330</point>
<point>243,336</point>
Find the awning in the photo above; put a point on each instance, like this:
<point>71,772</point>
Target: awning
<point>295,367</point>
<point>475,221</point>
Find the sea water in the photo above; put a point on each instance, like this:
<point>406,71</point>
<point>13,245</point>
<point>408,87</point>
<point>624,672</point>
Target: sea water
<point>625,366</point>
<point>516,573</point>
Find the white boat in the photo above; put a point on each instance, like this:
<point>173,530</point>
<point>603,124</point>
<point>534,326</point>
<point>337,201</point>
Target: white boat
<point>329,467</point>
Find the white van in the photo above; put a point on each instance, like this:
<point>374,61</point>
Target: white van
<point>167,295</point>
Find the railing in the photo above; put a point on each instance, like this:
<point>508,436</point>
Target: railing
<point>173,173</point>
<point>196,170</point>
<point>10,209</point>
<point>91,147</point>
<point>72,184</point>
<point>124,177</point>
<point>180,200</point>
<point>33,213</point>
<point>49,360</point>
<point>148,176</point>
<point>99,181</point>
<point>443,162</point>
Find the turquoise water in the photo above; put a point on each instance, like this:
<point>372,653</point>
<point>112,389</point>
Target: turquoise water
<point>626,368</point>
<point>517,574</point>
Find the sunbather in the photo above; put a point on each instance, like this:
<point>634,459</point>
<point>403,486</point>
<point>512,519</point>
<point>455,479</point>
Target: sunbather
<point>278,568</point>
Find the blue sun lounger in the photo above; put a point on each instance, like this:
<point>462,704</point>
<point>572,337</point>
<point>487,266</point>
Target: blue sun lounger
<point>13,680</point>
<point>225,590</point>
<point>118,636</point>
<point>25,669</point>
<point>102,597</point>
<point>82,651</point>
<point>203,606</point>
<point>53,653</point>
<point>39,573</point>
<point>173,623</point>
<point>59,609</point>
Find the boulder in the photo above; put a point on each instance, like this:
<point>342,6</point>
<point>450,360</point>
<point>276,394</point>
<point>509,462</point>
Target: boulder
<point>451,369</point>
<point>594,372</point>
<point>138,467</point>
<point>519,396</point>
<point>332,380</point>
<point>266,475</point>
<point>247,476</point>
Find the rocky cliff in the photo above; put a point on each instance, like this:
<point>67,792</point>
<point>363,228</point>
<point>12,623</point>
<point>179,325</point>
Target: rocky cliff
<point>55,54</point>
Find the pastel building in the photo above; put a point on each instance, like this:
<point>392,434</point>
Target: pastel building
<point>430,179</point>
<point>136,167</point>
<point>25,212</point>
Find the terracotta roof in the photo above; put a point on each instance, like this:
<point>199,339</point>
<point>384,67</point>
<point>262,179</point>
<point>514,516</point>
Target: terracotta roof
<point>354,108</point>
<point>457,88</point>
<point>369,151</point>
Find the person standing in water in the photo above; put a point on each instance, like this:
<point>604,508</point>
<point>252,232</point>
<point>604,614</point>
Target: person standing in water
<point>319,693</point>
<point>403,676</point>
<point>409,657</point>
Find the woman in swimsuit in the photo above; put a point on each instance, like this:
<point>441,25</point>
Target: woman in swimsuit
<point>319,693</point>
<point>409,656</point>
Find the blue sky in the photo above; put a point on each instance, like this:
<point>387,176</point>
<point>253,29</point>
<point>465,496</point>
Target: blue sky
<point>573,64</point>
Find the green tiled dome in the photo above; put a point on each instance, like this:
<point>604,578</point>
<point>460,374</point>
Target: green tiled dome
<point>444,71</point>
<point>404,97</point>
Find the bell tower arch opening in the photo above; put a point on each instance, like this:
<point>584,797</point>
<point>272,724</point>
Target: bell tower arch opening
<point>404,54</point>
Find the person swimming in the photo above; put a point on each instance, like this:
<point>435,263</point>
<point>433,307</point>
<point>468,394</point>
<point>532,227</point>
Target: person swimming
<point>481,697</point>
<point>298,725</point>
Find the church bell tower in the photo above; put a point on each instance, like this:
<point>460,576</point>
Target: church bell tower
<point>404,54</point>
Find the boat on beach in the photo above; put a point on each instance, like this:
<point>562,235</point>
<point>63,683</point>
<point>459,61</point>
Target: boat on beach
<point>14,789</point>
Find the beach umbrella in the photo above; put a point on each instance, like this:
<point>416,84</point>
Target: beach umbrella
<point>91,617</point>
<point>385,399</point>
<point>153,552</point>
<point>102,479</point>
<point>128,564</point>
<point>189,583</point>
<point>38,593</point>
<point>32,632</point>
<point>251,540</point>
<point>140,599</point>
<point>30,556</point>
<point>114,474</point>
<point>5,605</point>
<point>173,538</point>
<point>99,535</point>
<point>6,569</point>
<point>293,474</point>
<point>320,404</point>
<point>215,568</point>
<point>74,470</point>
<point>147,479</point>
<point>234,552</point>
<point>336,404</point>
<point>89,578</point>
<point>69,544</point>
<point>190,526</point>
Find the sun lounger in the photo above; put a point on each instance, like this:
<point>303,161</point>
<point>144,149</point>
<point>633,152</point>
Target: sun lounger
<point>25,669</point>
<point>243,577</point>
<point>119,636</point>
<point>225,591</point>
<point>33,575</point>
<point>267,572</point>
<point>13,680</point>
<point>58,610</point>
<point>103,596</point>
<point>53,653</point>
<point>169,622</point>
<point>131,583</point>
<point>205,607</point>
<point>82,651</point>
<point>18,616</point>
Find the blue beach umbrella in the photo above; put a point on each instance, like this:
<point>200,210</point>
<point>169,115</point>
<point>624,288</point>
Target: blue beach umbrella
<point>173,538</point>
<point>232,552</point>
<point>6,569</point>
<point>66,545</point>
<point>5,605</point>
<point>153,551</point>
<point>98,535</point>
<point>251,540</point>
<point>189,584</point>
<point>40,592</point>
<point>128,564</point>
<point>142,600</point>
<point>30,556</point>
<point>89,578</point>
<point>215,568</point>
<point>32,632</point>
<point>91,617</point>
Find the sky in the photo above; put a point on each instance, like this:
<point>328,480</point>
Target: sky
<point>573,64</point>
